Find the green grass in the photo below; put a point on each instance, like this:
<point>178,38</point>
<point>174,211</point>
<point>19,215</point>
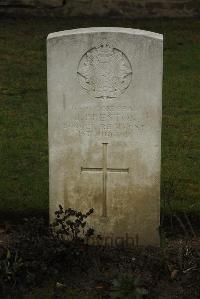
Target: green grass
<point>48,291</point>
<point>23,110</point>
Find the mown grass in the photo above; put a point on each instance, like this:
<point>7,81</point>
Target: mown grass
<point>23,110</point>
<point>49,291</point>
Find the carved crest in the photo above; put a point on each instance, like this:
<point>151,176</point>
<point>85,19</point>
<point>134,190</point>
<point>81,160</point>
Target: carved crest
<point>104,71</point>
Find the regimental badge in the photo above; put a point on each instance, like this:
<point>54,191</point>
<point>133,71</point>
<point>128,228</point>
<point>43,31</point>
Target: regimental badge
<point>104,71</point>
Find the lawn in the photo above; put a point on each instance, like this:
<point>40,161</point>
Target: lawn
<point>23,110</point>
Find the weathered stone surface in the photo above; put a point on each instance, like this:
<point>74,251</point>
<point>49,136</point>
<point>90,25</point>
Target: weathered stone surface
<point>104,97</point>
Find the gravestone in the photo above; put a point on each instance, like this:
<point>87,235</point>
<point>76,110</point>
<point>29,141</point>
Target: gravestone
<point>104,109</point>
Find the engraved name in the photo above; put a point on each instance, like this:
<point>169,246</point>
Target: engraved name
<point>107,121</point>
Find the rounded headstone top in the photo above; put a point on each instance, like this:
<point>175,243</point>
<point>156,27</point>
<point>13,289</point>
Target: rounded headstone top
<point>105,29</point>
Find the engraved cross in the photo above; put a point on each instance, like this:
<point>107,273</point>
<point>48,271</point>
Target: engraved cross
<point>105,170</point>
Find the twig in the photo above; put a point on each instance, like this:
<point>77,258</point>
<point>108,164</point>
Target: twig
<point>189,269</point>
<point>181,224</point>
<point>190,225</point>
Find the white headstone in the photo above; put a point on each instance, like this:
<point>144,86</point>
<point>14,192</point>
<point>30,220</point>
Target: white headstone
<point>105,101</point>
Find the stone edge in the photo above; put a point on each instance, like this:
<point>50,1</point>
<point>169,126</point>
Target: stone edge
<point>105,29</point>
